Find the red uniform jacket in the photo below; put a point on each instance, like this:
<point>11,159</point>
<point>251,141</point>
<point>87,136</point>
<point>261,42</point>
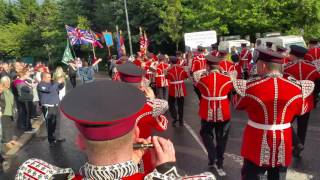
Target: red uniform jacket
<point>227,66</point>
<point>313,54</point>
<point>303,70</point>
<point>176,76</point>
<point>286,60</point>
<point>271,100</point>
<point>215,53</point>
<point>214,104</point>
<point>151,117</point>
<point>198,63</point>
<point>181,62</point>
<point>245,59</point>
<point>161,80</point>
<point>149,73</point>
<point>137,62</point>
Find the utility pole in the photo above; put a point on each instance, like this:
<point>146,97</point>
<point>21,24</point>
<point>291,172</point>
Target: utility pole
<point>128,26</point>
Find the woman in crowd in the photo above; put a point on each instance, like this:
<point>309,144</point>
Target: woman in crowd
<point>24,95</point>
<point>72,72</point>
<point>7,105</point>
<point>60,74</point>
<point>86,72</point>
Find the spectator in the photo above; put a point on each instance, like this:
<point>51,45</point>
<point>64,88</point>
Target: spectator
<point>86,72</point>
<point>49,97</point>
<point>60,74</point>
<point>5,70</point>
<point>72,72</point>
<point>34,107</point>
<point>7,105</point>
<point>24,97</point>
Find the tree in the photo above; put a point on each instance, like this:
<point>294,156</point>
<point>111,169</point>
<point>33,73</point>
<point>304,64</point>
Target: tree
<point>172,22</point>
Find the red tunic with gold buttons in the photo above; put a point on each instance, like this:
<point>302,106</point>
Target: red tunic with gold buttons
<point>214,104</point>
<point>176,76</point>
<point>271,103</point>
<point>303,70</point>
<point>161,80</point>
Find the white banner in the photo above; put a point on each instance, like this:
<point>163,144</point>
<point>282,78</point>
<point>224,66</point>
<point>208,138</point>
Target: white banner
<point>203,38</point>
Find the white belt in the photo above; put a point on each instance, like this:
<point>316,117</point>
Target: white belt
<point>218,98</point>
<point>269,127</point>
<point>175,82</point>
<point>161,75</point>
<point>50,105</point>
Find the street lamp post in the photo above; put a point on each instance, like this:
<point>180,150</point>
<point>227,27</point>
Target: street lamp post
<point>128,26</point>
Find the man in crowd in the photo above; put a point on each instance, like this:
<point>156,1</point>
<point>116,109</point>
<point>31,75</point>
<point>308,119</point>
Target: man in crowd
<point>301,69</point>
<point>177,90</point>
<point>111,137</point>
<point>214,111</point>
<point>271,103</point>
<point>49,98</point>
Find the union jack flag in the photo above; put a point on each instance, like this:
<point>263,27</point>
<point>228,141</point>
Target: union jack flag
<point>79,36</point>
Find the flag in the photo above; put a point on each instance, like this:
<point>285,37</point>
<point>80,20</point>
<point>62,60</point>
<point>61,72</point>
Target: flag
<point>67,55</point>
<point>98,38</point>
<point>79,36</point>
<point>108,38</point>
<point>120,44</point>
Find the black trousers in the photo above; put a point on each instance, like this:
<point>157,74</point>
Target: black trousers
<point>215,152</point>
<point>251,171</point>
<point>302,126</point>
<point>197,91</point>
<point>73,81</point>
<point>161,92</point>
<point>316,92</point>
<point>50,115</point>
<point>8,128</point>
<point>173,101</point>
<point>24,119</point>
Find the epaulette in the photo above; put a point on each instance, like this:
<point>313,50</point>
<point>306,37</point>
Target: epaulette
<point>307,88</point>
<point>160,106</point>
<point>240,86</point>
<point>39,169</point>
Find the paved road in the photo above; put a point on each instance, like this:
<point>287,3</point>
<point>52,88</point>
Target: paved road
<point>191,156</point>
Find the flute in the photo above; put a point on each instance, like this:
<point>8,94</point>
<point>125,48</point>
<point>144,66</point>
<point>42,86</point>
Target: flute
<point>140,146</point>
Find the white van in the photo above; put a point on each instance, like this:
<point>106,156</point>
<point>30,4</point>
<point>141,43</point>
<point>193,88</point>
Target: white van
<point>284,41</point>
<point>227,45</point>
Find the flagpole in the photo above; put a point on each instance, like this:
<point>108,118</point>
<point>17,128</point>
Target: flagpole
<point>128,26</point>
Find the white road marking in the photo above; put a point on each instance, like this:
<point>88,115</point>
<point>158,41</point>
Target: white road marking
<point>291,174</point>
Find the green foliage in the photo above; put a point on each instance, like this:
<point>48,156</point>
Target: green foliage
<point>172,21</point>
